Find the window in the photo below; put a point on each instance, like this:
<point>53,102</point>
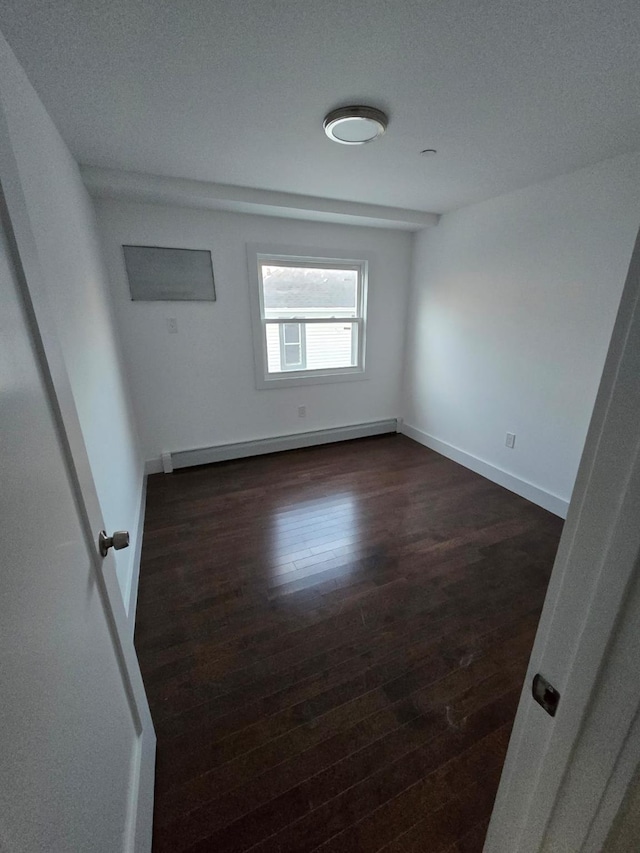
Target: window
<point>309,317</point>
<point>293,346</point>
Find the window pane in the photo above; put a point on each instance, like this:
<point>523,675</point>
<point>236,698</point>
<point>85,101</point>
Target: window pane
<point>292,333</point>
<point>309,292</point>
<point>327,346</point>
<point>273,349</point>
<point>331,345</point>
<point>292,355</point>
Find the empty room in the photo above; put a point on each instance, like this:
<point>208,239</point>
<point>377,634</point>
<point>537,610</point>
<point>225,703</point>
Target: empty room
<point>319,445</point>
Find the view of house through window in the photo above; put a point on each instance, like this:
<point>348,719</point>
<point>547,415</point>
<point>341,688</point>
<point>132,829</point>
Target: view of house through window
<point>311,314</point>
<point>293,346</point>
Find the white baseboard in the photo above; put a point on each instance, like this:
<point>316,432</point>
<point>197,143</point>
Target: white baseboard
<point>547,500</point>
<point>242,449</point>
<point>135,563</point>
<point>153,466</point>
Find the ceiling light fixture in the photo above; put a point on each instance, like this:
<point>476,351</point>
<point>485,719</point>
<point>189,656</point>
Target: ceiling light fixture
<point>355,125</point>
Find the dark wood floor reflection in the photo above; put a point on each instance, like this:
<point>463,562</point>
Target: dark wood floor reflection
<point>333,642</point>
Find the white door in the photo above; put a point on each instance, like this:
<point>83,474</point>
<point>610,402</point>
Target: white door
<point>565,776</point>
<point>76,739</point>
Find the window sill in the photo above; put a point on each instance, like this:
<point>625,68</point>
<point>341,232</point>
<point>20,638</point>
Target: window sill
<point>293,379</point>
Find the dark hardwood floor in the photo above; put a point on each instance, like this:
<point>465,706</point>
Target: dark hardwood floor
<point>333,642</point>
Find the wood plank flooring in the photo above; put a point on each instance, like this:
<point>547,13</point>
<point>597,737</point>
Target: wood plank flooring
<point>333,642</point>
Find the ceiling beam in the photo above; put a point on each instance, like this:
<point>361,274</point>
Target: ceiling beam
<point>156,189</point>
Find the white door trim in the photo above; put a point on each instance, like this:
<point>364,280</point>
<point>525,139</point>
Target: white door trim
<point>26,259</point>
<point>562,775</point>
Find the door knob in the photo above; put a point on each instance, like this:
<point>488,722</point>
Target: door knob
<point>118,541</point>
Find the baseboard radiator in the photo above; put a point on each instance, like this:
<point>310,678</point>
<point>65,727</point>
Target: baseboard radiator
<point>243,449</point>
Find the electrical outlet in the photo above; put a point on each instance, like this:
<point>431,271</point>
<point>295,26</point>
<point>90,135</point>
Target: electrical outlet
<point>302,411</point>
<point>511,440</point>
<point>172,325</point>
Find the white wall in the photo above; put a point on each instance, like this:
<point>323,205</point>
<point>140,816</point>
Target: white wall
<point>197,388</point>
<point>63,224</point>
<point>512,307</point>
<point>626,829</point>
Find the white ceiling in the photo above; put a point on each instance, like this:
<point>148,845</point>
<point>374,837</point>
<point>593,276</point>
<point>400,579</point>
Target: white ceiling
<point>510,92</point>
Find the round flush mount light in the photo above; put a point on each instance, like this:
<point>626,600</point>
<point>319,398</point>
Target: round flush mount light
<point>355,125</point>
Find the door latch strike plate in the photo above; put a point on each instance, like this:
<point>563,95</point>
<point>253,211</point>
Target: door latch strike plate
<point>545,694</point>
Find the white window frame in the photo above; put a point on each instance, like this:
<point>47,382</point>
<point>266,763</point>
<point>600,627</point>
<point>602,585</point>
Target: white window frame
<point>258,254</point>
